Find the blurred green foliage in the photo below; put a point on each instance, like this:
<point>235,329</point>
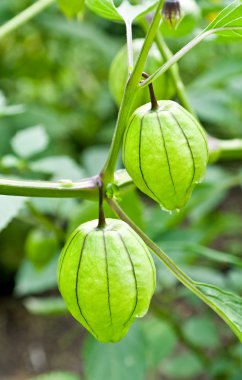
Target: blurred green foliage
<point>56,120</point>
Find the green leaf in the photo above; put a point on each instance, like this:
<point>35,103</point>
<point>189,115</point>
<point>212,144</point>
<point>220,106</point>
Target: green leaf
<point>229,17</point>
<point>30,141</point>
<point>202,332</point>
<point>57,376</point>
<point>11,110</point>
<point>6,110</point>
<point>216,107</point>
<point>32,281</point>
<point>213,254</point>
<point>75,33</point>
<point>205,275</point>
<point>216,95</point>
<point>212,78</point>
<point>237,376</point>
<point>234,280</point>
<point>104,8</point>
<point>132,205</point>
<point>126,11</point>
<point>59,208</point>
<point>9,208</point>
<point>123,360</point>
<point>155,332</point>
<point>61,167</point>
<point>93,159</point>
<point>3,101</point>
<point>184,366</point>
<point>71,7</point>
<point>229,305</point>
<point>45,306</point>
<point>226,304</point>
<point>130,12</point>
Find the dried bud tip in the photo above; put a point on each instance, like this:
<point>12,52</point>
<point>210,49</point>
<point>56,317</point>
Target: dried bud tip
<point>172,11</point>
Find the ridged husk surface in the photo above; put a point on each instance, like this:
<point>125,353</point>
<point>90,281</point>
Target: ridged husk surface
<point>106,277</point>
<point>165,151</point>
<point>118,76</point>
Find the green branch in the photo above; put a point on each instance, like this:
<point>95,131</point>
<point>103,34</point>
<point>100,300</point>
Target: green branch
<point>85,188</point>
<point>224,150</point>
<point>174,70</point>
<point>129,97</point>
<point>175,73</point>
<point>133,83</point>
<point>219,150</point>
<point>24,16</point>
<point>182,52</point>
<point>174,269</point>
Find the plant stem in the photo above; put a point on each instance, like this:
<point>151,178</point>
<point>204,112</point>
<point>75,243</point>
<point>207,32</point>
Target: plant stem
<point>224,150</point>
<point>174,70</point>
<point>24,16</point>
<point>219,150</point>
<point>182,52</point>
<point>175,74</point>
<point>128,99</point>
<point>153,100</point>
<point>175,270</point>
<point>130,46</point>
<point>85,188</point>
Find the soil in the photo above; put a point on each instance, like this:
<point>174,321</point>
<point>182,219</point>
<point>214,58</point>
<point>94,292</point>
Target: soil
<point>30,345</point>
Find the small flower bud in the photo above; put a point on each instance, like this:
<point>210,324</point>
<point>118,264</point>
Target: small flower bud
<point>172,12</point>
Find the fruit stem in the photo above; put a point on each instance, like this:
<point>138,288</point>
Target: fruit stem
<point>184,50</point>
<point>175,74</point>
<point>173,70</point>
<point>101,218</point>
<point>154,104</point>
